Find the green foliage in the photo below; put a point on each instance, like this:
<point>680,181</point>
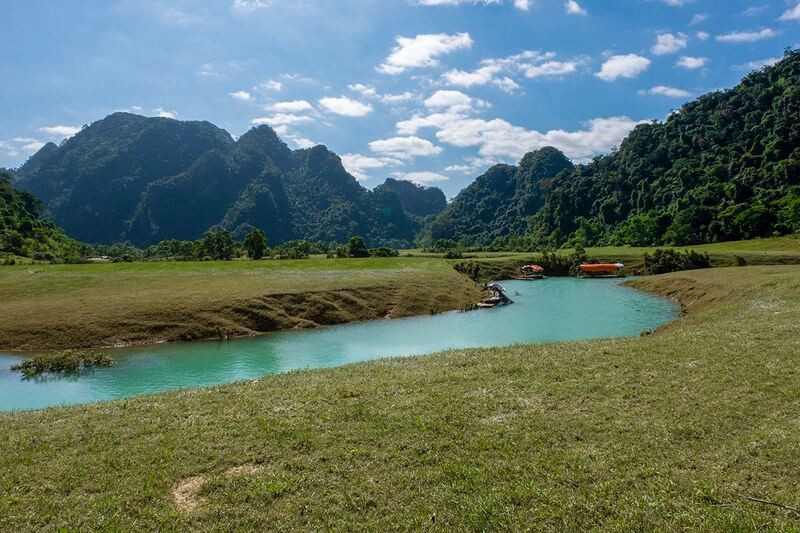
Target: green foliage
<point>663,261</point>
<point>357,248</point>
<point>416,199</point>
<point>65,361</point>
<point>24,233</point>
<point>384,251</point>
<point>255,244</point>
<point>219,245</point>
<point>146,180</point>
<point>497,204</point>
<point>724,167</point>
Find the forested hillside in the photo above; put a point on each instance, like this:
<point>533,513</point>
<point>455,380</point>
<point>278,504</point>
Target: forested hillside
<point>498,203</point>
<point>24,233</point>
<point>140,179</point>
<point>416,199</point>
<point>724,167</point>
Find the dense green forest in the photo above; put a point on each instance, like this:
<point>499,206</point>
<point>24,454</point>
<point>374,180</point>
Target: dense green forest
<point>24,233</point>
<point>144,180</point>
<point>723,167</point>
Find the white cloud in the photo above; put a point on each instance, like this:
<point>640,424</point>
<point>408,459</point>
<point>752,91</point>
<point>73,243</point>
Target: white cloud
<point>793,13</point>
<point>240,95</point>
<point>405,147</point>
<point>295,106</point>
<point>269,85</point>
<point>699,18</point>
<point>676,3</point>
<point>529,63</point>
<point>524,5</point>
<point>758,64</point>
<point>691,63</point>
<point>300,142</point>
<point>421,178</point>
<point>551,69</point>
<point>248,6</point>
<point>422,51</point>
<point>60,131</point>
<point>164,113</point>
<point>500,139</point>
<point>747,36</point>
<point>703,35</point>
<point>573,8</point>
<point>623,66</point>
<point>345,106</point>
<point>667,43</point>
<point>448,99</point>
<point>368,91</point>
<point>358,165</point>
<point>31,147</point>
<point>281,119</point>
<point>663,90</point>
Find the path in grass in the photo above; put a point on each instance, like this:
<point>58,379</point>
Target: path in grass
<point>679,430</point>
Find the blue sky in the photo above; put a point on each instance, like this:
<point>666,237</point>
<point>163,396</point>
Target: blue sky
<point>428,90</point>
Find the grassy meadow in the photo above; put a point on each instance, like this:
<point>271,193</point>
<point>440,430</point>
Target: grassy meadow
<point>694,427</point>
<point>76,306</point>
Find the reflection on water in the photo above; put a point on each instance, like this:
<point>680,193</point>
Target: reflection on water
<point>556,309</point>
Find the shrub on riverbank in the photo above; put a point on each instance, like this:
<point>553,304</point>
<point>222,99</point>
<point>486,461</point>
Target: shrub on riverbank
<point>65,361</point>
<point>664,261</point>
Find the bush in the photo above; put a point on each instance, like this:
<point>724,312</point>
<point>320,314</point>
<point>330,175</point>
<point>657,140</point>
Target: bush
<point>67,361</point>
<point>384,251</point>
<point>664,261</point>
<point>453,254</point>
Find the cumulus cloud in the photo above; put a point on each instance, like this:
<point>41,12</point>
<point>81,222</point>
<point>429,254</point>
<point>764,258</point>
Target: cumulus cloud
<point>448,99</point>
<point>368,91</point>
<point>691,63</point>
<point>573,8</point>
<point>240,95</point>
<point>295,106</point>
<point>164,113</point>
<point>667,43</point>
<point>746,36</point>
<point>529,63</point>
<point>358,165</point>
<point>405,147</point>
<point>421,178</point>
<point>60,130</point>
<point>793,13</point>
<point>26,145</point>
<point>699,18</point>
<point>269,85</point>
<point>703,35</point>
<point>498,138</point>
<point>663,90</point>
<point>345,106</point>
<point>281,119</point>
<point>422,51</point>
<point>622,66</point>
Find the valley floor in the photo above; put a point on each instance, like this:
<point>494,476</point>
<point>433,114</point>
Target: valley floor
<point>695,428</point>
<point>79,306</point>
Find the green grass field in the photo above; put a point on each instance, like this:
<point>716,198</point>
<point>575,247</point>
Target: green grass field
<point>684,429</point>
<point>59,306</point>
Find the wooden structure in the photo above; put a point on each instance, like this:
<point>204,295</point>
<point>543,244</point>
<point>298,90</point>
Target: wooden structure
<point>494,294</point>
<point>531,272</point>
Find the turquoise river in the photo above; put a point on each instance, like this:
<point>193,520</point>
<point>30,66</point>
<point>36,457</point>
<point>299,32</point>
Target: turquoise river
<point>551,310</point>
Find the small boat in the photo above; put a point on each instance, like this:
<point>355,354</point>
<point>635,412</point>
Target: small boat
<point>601,270</point>
<point>531,272</point>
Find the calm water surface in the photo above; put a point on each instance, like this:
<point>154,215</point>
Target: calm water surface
<point>557,309</point>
